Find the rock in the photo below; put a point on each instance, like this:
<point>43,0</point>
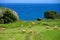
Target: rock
<point>33,23</point>
<point>39,19</point>
<point>30,31</point>
<point>2,28</point>
<point>55,27</point>
<point>47,27</point>
<point>23,30</point>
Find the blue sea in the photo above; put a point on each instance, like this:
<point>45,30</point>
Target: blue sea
<point>31,11</point>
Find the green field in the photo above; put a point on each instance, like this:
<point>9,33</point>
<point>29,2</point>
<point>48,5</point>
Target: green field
<point>13,31</point>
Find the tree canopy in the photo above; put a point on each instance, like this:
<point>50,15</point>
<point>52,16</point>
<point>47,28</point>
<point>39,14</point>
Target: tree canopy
<point>7,16</point>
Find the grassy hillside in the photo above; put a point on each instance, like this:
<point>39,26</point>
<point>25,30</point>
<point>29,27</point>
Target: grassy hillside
<point>14,31</point>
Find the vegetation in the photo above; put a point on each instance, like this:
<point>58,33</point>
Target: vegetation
<point>40,29</point>
<point>58,15</point>
<point>7,16</point>
<point>50,14</point>
<point>13,31</point>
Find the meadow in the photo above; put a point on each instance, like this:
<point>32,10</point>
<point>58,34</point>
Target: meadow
<point>21,30</point>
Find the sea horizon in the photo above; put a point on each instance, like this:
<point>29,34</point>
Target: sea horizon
<point>31,11</point>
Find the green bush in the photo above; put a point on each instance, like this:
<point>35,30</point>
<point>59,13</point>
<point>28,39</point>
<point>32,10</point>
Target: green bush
<point>58,15</point>
<point>50,14</point>
<point>7,16</point>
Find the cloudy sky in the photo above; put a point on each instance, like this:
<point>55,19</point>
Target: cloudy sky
<point>29,1</point>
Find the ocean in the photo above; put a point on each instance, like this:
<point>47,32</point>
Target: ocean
<point>31,11</point>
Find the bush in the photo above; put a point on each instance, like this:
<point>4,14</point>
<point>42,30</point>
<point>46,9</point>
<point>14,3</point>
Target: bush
<point>58,16</point>
<point>7,16</point>
<point>50,14</point>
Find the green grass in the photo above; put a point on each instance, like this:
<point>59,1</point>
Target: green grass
<point>13,31</point>
<point>51,35</point>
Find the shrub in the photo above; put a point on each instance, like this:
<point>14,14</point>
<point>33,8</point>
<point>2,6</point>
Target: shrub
<point>7,16</point>
<point>50,14</point>
<point>58,15</point>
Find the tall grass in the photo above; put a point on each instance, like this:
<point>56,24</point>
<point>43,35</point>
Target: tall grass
<point>51,35</point>
<point>33,36</point>
<point>28,36</point>
<point>37,36</point>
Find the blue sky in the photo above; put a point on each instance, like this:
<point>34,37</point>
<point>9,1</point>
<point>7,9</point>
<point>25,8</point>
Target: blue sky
<point>29,1</point>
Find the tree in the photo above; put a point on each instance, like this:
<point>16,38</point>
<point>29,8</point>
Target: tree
<point>50,14</point>
<point>7,16</point>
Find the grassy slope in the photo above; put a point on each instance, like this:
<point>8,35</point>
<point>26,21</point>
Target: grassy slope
<point>14,31</point>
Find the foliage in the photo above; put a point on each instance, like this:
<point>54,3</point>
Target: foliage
<point>7,16</point>
<point>58,15</point>
<point>50,14</point>
<point>13,31</point>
